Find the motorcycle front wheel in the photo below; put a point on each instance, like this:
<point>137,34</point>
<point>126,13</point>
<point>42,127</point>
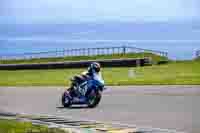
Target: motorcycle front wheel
<point>94,97</point>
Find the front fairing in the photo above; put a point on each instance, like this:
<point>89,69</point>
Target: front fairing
<point>96,84</point>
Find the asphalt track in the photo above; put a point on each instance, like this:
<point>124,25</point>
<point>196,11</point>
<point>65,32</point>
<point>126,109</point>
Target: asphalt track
<point>168,107</point>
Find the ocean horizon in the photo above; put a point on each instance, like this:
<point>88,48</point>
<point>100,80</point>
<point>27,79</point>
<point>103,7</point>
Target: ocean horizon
<point>180,40</point>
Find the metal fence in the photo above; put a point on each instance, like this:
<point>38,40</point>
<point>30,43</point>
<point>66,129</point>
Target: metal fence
<point>83,52</point>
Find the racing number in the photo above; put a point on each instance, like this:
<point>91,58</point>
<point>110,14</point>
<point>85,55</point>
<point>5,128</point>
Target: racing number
<point>83,89</point>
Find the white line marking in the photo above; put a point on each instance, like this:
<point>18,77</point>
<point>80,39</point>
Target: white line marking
<point>145,128</point>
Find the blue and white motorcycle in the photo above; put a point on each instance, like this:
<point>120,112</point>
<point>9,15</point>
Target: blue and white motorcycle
<point>88,92</point>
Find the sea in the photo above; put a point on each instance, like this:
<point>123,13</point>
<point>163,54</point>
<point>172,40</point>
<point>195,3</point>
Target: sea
<point>180,39</point>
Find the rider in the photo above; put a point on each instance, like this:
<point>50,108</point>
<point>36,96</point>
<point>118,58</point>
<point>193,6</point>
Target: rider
<point>94,70</point>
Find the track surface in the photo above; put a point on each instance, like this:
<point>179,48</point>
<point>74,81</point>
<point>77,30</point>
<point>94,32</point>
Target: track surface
<point>171,107</point>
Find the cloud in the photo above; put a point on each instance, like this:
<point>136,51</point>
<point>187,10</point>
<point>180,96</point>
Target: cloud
<point>97,10</point>
<point>63,40</point>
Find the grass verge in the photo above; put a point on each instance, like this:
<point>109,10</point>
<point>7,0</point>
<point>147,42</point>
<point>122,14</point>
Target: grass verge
<point>12,126</point>
<point>173,73</point>
<point>155,58</point>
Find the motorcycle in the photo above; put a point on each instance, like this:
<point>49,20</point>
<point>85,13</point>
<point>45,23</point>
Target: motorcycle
<point>88,92</point>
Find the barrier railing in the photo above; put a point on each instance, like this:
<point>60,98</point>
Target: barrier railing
<point>82,52</point>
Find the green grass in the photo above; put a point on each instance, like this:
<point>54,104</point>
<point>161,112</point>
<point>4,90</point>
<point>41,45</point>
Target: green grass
<point>12,126</point>
<point>154,57</point>
<point>181,72</point>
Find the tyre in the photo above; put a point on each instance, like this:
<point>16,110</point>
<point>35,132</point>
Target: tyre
<point>94,97</point>
<point>66,100</point>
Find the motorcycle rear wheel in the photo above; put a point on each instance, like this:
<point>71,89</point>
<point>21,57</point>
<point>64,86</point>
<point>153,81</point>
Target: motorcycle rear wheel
<point>66,101</point>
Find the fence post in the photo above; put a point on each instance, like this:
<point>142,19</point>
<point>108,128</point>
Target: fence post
<point>108,50</point>
<point>197,53</point>
<point>124,49</point>
<point>66,52</point>
<point>166,54</point>
<point>63,52</point>
<point>93,52</point>
<point>70,52</point>
<point>98,53</point>
<point>77,52</point>
<point>88,51</point>
<point>80,52</point>
<point>118,50</point>
<point>83,51</point>
<point>74,52</point>
<point>104,51</point>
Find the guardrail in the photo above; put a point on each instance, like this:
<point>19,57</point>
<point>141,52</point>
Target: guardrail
<point>79,64</point>
<point>82,52</point>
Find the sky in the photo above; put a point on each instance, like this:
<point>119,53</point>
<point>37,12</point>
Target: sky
<point>62,11</point>
<point>180,17</point>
